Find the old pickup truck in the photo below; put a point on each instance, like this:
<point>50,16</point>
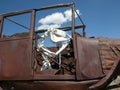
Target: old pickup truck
<point>74,62</point>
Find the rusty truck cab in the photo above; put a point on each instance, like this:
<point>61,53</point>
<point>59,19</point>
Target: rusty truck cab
<point>81,64</point>
<point>18,51</point>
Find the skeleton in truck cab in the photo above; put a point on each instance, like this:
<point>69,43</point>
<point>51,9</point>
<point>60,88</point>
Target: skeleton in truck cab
<point>56,36</point>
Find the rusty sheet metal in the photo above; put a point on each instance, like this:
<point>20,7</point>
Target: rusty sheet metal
<point>109,52</point>
<point>88,64</point>
<point>15,59</point>
<point>53,85</point>
<point>103,83</point>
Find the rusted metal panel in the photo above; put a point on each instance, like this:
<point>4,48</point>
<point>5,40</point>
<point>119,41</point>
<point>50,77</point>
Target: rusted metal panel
<point>15,59</point>
<point>88,64</point>
<point>109,77</point>
<point>54,85</point>
<point>109,52</point>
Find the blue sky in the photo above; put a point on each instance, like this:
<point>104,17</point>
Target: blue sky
<point>102,17</point>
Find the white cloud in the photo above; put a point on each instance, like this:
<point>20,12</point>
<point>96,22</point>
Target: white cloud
<point>45,26</point>
<point>68,14</point>
<point>55,20</point>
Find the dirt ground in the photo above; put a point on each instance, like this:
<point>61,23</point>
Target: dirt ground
<point>116,82</point>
